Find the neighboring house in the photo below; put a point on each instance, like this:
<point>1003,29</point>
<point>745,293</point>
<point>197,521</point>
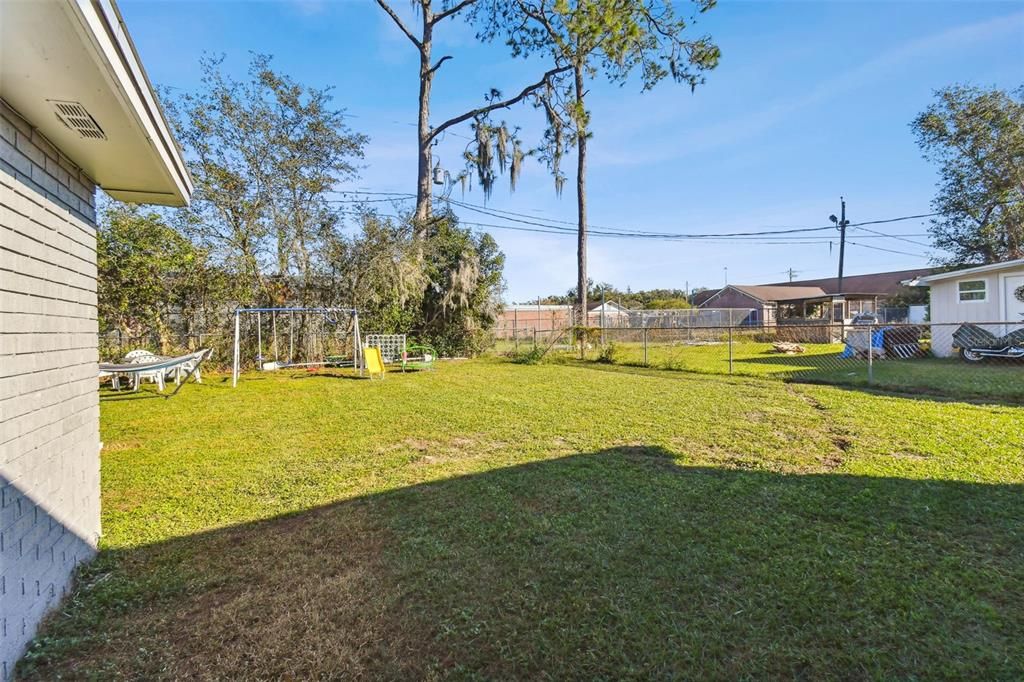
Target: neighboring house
<point>986,293</point>
<point>76,112</point>
<point>607,314</point>
<point>698,298</point>
<point>814,299</point>
<point>763,301</point>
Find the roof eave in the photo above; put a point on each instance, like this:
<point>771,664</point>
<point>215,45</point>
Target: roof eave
<point>976,270</point>
<point>104,27</point>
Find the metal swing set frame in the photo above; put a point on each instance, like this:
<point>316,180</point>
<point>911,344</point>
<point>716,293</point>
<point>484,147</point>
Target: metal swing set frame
<point>329,315</point>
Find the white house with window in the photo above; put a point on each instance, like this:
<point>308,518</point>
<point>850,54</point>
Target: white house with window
<point>990,295</point>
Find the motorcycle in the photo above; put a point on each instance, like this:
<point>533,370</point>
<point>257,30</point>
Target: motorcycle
<point>977,344</point>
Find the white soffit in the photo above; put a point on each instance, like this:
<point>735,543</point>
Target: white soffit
<point>70,69</point>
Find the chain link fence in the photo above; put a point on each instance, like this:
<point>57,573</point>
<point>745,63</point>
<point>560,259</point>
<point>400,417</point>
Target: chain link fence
<point>114,345</point>
<point>902,357</point>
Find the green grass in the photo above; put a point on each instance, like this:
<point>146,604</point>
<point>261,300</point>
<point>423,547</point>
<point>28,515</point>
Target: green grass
<point>555,521</point>
<point>820,363</point>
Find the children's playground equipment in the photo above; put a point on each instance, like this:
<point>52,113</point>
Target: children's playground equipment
<point>419,356</point>
<point>392,346</point>
<point>393,350</point>
<point>374,362</point>
<point>297,337</point>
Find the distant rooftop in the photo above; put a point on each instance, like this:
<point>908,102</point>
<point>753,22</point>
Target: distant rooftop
<point>877,283</point>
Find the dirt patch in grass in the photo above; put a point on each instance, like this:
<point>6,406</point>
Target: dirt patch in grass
<point>913,456</point>
<point>121,445</point>
<point>290,598</point>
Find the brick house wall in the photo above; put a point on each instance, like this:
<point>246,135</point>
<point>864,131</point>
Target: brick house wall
<point>49,405</point>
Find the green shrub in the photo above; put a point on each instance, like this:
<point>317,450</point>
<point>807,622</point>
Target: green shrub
<point>610,353</point>
<point>532,356</point>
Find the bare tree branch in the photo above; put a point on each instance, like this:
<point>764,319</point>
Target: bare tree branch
<point>503,104</point>
<point>439,62</point>
<point>458,7</point>
<point>398,22</point>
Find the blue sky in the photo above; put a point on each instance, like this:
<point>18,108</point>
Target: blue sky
<point>812,100</point>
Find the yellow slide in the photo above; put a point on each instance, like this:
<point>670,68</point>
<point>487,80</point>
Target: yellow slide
<point>374,361</point>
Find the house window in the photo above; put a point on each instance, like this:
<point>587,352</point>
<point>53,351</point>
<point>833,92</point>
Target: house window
<point>972,290</point>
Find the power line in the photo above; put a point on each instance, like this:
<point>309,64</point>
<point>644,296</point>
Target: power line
<point>765,237</point>
<point>894,236</point>
<point>537,230</point>
<point>477,207</point>
<point>894,220</point>
<point>621,232</point>
<point>879,248</point>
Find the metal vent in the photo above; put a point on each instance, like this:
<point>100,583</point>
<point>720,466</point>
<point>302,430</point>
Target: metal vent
<point>75,116</point>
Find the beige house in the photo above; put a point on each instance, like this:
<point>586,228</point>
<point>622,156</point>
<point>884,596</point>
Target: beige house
<point>990,295</point>
<point>77,112</point>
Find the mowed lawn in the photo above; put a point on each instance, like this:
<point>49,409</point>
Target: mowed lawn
<point>821,363</point>
<point>494,520</point>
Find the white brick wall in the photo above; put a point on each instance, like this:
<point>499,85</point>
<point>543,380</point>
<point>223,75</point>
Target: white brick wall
<point>49,406</point>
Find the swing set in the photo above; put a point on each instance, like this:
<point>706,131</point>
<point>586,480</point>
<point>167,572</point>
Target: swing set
<point>316,337</point>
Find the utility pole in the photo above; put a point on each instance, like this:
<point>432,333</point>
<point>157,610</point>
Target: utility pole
<point>841,223</point>
<point>726,268</point>
<point>792,274</point>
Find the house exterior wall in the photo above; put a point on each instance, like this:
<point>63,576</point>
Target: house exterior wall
<point>731,298</point>
<point>49,405</point>
<point>948,311</point>
<point>764,314</point>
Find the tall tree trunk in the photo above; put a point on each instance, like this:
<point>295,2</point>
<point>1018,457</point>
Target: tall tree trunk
<point>423,179</point>
<point>581,212</point>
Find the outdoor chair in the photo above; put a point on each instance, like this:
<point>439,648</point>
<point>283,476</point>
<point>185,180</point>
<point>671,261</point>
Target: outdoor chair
<point>183,370</point>
<point>153,367</point>
<point>141,357</point>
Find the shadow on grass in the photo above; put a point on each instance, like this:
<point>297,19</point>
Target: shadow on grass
<point>919,379</point>
<point>329,375</point>
<point>1002,381</point>
<point>110,395</point>
<point>613,564</point>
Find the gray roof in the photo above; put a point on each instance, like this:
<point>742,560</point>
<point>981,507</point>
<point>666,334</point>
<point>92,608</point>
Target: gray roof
<point>768,292</point>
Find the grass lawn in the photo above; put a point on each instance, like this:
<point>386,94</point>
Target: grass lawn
<point>820,363</point>
<point>493,520</point>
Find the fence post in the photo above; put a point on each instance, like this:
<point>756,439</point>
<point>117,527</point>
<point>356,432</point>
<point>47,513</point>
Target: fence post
<point>535,338</point>
<point>871,354</point>
<point>730,349</point>
<point>645,347</point>
<point>515,328</point>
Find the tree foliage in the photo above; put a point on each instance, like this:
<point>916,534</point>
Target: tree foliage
<point>265,154</point>
<point>480,154</point>
<point>650,299</point>
<point>147,272</point>
<point>443,287</point>
<point>585,39</point>
<point>977,138</point>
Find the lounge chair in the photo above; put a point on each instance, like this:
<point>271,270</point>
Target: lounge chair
<point>154,367</point>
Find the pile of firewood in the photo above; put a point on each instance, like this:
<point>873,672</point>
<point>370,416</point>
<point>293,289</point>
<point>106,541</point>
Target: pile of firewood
<point>787,348</point>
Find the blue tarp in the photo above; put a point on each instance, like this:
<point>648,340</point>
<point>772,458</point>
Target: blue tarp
<point>877,341</point>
